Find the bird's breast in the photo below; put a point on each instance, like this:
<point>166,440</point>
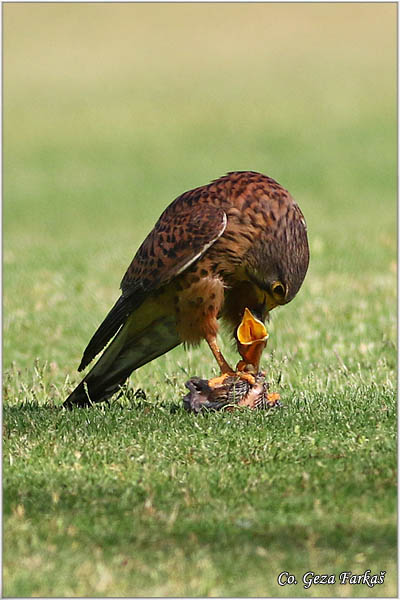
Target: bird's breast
<point>198,301</point>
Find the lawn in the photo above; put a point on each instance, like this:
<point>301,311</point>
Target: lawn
<point>110,112</point>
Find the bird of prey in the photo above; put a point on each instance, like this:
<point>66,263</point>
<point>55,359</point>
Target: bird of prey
<point>237,243</point>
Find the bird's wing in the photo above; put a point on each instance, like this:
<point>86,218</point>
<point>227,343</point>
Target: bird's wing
<point>183,233</point>
<point>181,236</point>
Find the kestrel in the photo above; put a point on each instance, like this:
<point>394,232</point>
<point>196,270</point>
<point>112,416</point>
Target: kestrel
<point>238,243</point>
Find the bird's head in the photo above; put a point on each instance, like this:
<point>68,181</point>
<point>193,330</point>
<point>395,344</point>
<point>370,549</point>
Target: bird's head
<point>277,263</point>
<point>272,286</point>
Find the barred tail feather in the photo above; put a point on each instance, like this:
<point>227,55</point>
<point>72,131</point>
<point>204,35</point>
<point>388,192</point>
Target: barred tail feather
<point>126,353</point>
<point>117,316</point>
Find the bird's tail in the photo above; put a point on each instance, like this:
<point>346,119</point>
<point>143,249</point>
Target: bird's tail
<point>128,351</point>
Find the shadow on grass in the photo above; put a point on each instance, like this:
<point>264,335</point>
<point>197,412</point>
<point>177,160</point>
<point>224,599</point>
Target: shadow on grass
<point>117,404</point>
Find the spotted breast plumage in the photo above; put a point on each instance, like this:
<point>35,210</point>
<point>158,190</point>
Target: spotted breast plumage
<point>239,242</point>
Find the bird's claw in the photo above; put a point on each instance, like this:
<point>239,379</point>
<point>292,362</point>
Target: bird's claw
<point>218,381</point>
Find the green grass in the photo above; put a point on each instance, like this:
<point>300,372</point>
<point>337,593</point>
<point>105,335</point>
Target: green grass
<point>110,112</point>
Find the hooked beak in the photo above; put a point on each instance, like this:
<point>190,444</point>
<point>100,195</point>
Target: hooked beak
<point>252,337</point>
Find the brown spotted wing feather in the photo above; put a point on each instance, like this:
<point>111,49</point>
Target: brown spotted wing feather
<point>185,230</point>
<point>183,233</point>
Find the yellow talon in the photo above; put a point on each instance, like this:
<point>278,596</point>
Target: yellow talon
<point>217,381</point>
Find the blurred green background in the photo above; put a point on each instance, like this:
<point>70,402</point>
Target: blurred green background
<point>112,110</point>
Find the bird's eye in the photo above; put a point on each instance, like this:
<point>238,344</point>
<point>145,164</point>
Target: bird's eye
<point>278,289</point>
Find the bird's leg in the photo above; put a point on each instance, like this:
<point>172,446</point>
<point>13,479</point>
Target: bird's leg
<point>223,365</point>
<point>226,370</point>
